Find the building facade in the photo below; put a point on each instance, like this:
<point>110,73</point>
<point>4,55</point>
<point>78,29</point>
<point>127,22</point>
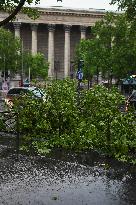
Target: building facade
<point>55,34</point>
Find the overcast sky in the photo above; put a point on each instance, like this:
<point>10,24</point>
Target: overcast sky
<point>96,4</point>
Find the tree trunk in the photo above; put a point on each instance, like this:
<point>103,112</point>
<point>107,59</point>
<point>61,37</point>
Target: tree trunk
<point>13,14</point>
<point>89,82</point>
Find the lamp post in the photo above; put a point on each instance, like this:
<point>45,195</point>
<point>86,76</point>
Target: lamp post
<point>80,73</point>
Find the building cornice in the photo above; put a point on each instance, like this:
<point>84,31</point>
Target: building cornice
<point>61,16</point>
<point>73,12</point>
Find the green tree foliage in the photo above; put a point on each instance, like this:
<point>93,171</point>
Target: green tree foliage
<point>103,32</point>
<point>124,49</point>
<point>36,64</point>
<point>11,57</point>
<point>87,47</point>
<point>94,122</point>
<point>129,6</point>
<point>112,50</point>
<point>9,51</point>
<point>97,52</point>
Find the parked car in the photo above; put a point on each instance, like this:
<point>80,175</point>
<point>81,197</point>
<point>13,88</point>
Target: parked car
<point>131,101</point>
<point>16,92</point>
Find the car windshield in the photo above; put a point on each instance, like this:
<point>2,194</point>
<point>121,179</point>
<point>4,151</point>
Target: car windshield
<point>36,92</point>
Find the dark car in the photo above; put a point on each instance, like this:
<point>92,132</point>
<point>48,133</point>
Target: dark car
<point>131,101</point>
<point>16,92</point>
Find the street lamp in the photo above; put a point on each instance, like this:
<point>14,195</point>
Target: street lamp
<point>80,72</point>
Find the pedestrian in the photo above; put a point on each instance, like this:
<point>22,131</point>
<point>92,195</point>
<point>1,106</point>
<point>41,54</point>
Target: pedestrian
<point>4,88</point>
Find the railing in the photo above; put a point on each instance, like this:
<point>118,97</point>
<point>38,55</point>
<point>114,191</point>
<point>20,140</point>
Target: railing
<point>9,125</point>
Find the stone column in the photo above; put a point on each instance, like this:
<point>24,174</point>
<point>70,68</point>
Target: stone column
<point>51,29</point>
<point>17,26</point>
<point>34,38</point>
<point>67,51</point>
<point>83,32</point>
<point>18,76</point>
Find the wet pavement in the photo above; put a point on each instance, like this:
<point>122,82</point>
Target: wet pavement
<point>64,178</point>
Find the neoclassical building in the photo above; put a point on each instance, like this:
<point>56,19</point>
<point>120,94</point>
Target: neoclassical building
<point>55,34</point>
